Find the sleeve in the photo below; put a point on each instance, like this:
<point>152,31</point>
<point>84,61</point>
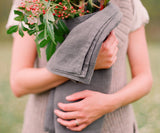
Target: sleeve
<point>11,17</point>
<point>140,15</point>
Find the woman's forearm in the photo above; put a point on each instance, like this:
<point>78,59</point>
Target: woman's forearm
<point>25,79</point>
<point>138,87</point>
<point>34,80</point>
<point>138,57</point>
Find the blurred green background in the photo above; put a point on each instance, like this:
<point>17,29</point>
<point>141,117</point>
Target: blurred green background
<point>147,109</point>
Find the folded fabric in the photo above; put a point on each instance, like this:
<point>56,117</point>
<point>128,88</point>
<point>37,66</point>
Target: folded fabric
<point>100,82</point>
<point>75,58</point>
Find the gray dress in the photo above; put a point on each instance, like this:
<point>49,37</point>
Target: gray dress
<point>120,121</point>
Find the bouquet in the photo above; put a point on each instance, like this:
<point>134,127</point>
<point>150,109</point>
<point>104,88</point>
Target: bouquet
<point>44,19</point>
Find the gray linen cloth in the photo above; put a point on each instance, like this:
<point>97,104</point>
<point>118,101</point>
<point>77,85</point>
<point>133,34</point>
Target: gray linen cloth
<point>75,59</point>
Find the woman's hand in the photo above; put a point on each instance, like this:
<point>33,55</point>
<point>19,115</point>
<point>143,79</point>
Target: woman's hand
<point>107,55</point>
<point>85,111</point>
<point>94,104</point>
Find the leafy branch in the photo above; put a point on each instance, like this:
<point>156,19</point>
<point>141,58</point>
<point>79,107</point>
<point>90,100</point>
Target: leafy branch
<point>51,29</point>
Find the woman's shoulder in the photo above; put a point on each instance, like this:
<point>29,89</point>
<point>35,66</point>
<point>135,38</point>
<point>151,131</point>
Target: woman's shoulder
<point>140,15</point>
<point>11,21</point>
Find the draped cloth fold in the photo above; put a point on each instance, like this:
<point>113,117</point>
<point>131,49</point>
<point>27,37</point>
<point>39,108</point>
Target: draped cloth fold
<point>75,59</point>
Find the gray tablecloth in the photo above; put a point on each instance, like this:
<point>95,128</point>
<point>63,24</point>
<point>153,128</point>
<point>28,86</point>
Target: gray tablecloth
<point>76,57</point>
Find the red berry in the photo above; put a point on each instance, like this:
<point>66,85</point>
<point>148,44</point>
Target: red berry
<point>44,12</point>
<point>82,11</point>
<point>64,8</point>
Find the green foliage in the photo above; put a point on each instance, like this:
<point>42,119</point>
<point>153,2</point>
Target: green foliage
<point>44,42</point>
<point>45,33</point>
<point>12,29</point>
<point>52,28</point>
<point>24,28</point>
<point>50,32</point>
<point>51,48</point>
<point>25,19</point>
<point>19,13</point>
<point>31,32</point>
<point>20,16</point>
<point>21,32</point>
<point>62,27</point>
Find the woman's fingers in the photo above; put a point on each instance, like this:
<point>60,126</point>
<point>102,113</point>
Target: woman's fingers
<point>78,128</point>
<point>69,123</point>
<point>110,43</point>
<point>110,39</point>
<point>72,124</point>
<point>75,105</point>
<point>108,52</point>
<point>113,52</point>
<point>88,110</point>
<point>69,106</point>
<point>66,115</point>
<point>78,95</point>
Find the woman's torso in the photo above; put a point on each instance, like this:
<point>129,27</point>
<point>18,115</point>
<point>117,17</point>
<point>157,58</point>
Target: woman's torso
<point>119,121</point>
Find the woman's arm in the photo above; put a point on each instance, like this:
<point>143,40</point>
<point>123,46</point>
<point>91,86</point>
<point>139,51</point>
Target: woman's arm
<point>25,79</point>
<point>95,104</point>
<point>141,82</point>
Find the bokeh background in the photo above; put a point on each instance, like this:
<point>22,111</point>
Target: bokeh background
<point>147,109</point>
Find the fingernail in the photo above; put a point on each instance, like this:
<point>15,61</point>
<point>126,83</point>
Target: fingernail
<point>58,119</point>
<point>55,111</point>
<point>59,104</point>
<point>68,97</point>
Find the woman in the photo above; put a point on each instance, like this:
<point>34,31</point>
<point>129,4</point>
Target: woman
<point>25,79</point>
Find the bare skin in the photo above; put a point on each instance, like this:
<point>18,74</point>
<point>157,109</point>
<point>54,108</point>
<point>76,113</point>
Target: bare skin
<point>90,109</point>
<point>25,79</point>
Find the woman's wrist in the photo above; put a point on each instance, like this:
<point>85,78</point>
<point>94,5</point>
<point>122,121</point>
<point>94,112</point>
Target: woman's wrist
<point>112,102</point>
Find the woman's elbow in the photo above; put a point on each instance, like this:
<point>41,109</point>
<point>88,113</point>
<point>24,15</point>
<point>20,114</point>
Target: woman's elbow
<point>16,89</point>
<point>148,80</point>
